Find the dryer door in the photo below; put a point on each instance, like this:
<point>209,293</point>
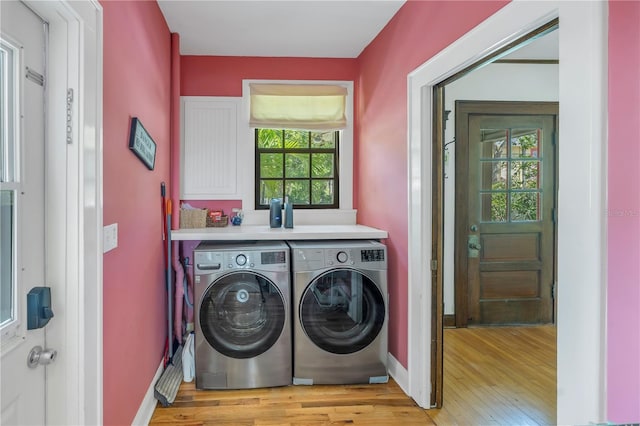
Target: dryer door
<point>242,314</point>
<point>342,311</point>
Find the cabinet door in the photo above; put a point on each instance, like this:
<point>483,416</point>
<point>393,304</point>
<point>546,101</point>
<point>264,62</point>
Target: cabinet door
<point>209,148</point>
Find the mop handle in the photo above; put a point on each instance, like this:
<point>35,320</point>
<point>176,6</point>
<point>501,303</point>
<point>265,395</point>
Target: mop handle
<point>169,286</point>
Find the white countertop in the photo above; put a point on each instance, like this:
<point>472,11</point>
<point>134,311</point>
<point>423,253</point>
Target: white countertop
<point>264,232</point>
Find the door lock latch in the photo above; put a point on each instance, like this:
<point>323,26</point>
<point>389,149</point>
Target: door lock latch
<point>473,246</point>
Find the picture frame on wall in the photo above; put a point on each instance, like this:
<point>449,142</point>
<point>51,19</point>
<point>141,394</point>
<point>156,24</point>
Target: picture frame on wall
<point>142,144</point>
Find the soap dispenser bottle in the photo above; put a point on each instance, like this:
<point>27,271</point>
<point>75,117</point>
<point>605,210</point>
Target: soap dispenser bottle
<point>275,213</point>
<point>288,213</point>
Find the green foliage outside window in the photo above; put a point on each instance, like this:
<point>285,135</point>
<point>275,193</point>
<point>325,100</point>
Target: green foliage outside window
<point>516,197</point>
<point>299,164</point>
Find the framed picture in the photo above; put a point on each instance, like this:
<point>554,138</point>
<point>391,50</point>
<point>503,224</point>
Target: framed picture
<point>141,143</point>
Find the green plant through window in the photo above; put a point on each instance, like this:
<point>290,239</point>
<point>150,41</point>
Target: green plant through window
<point>300,164</point>
<point>511,172</point>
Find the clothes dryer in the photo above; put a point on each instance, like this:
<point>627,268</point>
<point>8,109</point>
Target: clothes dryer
<point>243,327</point>
<point>340,312</point>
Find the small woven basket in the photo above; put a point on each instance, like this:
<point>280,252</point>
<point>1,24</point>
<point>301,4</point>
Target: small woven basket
<point>193,218</point>
<point>224,221</point>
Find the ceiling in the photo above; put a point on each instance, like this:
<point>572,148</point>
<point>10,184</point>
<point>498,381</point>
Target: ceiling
<point>295,28</point>
<point>290,28</point>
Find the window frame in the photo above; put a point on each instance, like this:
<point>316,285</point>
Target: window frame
<point>11,179</point>
<point>345,215</point>
<point>309,150</point>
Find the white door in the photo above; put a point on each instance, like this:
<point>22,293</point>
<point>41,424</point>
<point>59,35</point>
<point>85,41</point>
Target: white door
<point>22,214</point>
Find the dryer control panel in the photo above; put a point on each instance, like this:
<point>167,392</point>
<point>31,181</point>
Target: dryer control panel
<point>211,262</point>
<point>311,258</point>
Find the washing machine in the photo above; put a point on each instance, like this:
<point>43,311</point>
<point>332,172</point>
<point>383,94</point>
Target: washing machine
<point>242,315</point>
<point>340,312</point>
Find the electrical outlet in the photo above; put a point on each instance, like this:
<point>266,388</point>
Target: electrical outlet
<point>109,237</point>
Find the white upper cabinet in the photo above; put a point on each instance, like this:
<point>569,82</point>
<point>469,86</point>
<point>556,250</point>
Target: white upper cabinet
<point>209,148</point>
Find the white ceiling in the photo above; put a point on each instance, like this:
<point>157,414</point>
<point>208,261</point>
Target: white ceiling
<point>295,28</point>
<point>290,28</point>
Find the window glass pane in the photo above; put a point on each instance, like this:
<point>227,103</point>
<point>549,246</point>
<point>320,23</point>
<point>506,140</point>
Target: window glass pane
<point>8,107</point>
<point>298,191</point>
<point>494,143</point>
<point>494,175</point>
<point>3,118</point>
<point>271,165</point>
<point>321,165</point>
<point>323,139</point>
<point>525,143</point>
<point>269,138</point>
<point>297,158</point>
<point>296,139</point>
<point>494,206</point>
<point>270,189</point>
<point>525,206</point>
<point>297,165</point>
<point>6,256</point>
<point>322,192</point>
<point>525,174</point>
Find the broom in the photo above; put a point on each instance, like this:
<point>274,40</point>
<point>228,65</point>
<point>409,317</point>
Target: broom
<point>166,388</point>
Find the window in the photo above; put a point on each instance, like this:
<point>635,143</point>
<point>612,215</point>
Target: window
<point>300,164</point>
<point>342,211</point>
<point>9,184</point>
<point>511,179</point>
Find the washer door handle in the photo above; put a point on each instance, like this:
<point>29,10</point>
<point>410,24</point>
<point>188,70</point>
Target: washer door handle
<point>209,266</point>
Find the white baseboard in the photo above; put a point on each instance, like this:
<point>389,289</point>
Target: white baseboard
<point>398,372</point>
<point>149,402</point>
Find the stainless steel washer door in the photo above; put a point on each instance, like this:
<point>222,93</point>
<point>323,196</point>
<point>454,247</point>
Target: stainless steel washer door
<point>342,311</point>
<point>242,314</point>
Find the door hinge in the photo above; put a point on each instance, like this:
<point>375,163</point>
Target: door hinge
<point>69,116</point>
<point>554,217</point>
<point>553,290</point>
<point>434,265</point>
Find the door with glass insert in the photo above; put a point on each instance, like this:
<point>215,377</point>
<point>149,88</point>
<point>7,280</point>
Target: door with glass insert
<point>22,211</point>
<point>342,311</point>
<point>505,209</point>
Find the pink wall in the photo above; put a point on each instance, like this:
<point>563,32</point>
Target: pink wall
<point>223,75</point>
<point>623,291</point>
<point>136,83</point>
<point>137,64</point>
<point>419,30</point>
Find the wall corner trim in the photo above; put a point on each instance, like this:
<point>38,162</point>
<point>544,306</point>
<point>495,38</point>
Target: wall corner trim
<point>149,402</point>
<point>398,372</point>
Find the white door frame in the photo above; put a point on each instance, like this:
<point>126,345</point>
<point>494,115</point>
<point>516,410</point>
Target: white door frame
<point>74,209</point>
<point>581,195</point>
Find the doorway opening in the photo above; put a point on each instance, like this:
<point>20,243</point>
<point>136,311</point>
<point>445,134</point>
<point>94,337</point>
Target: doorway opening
<point>581,337</point>
<point>494,194</point>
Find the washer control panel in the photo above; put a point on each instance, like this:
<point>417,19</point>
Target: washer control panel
<point>211,262</point>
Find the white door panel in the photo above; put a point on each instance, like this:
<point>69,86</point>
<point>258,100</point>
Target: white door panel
<point>23,37</point>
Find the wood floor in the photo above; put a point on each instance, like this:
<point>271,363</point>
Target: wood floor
<point>499,376</point>
<point>493,376</point>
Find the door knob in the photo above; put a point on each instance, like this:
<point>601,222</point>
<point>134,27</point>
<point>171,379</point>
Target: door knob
<point>38,356</point>
<point>473,246</point>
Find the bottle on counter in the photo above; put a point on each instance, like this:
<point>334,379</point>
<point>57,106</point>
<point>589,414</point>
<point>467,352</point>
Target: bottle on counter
<point>275,213</point>
<point>288,213</point>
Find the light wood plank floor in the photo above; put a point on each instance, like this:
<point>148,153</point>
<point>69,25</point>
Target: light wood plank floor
<point>499,376</point>
<point>493,376</point>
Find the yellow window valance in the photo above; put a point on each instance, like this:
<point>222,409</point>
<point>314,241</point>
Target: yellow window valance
<point>298,106</point>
